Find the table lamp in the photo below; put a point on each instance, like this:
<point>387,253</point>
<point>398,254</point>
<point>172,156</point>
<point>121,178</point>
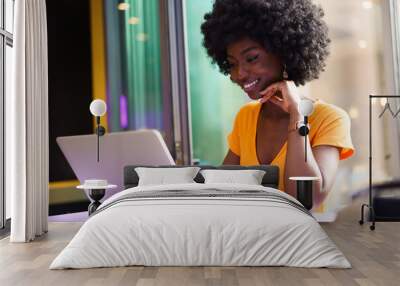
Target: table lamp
<point>306,108</point>
<point>98,108</point>
<point>305,184</point>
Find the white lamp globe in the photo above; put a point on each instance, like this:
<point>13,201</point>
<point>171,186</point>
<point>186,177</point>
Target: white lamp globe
<point>306,107</point>
<point>98,107</point>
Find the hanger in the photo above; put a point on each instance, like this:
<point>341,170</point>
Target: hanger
<point>397,113</point>
<point>387,106</point>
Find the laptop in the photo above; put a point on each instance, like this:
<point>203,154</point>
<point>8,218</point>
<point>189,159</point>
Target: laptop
<point>117,150</point>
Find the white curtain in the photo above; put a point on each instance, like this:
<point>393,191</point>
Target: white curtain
<point>27,123</point>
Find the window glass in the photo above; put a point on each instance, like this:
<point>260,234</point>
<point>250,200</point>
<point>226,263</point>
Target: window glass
<point>214,98</point>
<point>133,64</point>
<point>1,14</point>
<point>2,203</point>
<point>9,12</point>
<point>8,89</point>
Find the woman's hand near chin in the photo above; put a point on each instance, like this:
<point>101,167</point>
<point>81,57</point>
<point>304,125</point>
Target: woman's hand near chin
<point>282,94</point>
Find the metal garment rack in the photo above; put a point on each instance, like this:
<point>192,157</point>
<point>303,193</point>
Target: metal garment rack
<point>370,206</point>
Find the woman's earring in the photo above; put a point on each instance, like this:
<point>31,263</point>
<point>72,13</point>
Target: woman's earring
<point>285,74</point>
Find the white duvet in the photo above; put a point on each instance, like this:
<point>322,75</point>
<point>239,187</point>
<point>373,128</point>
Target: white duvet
<point>200,231</point>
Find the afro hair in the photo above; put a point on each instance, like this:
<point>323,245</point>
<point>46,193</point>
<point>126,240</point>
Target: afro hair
<point>291,29</point>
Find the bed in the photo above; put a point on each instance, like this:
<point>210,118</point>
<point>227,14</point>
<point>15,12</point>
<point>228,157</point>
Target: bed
<point>201,224</point>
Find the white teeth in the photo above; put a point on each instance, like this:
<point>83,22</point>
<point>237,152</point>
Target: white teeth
<point>251,84</point>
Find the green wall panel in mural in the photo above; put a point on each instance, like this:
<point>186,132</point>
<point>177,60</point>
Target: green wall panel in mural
<point>133,63</point>
<point>214,98</point>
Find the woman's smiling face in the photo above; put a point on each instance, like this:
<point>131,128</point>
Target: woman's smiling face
<point>252,67</point>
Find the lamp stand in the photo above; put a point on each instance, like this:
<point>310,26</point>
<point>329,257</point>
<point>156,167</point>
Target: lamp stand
<point>305,184</point>
<point>305,193</point>
<point>100,131</point>
<point>96,195</point>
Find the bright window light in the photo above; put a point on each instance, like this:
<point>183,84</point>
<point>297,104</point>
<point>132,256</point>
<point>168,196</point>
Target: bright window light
<point>367,5</point>
<point>353,112</point>
<point>133,20</point>
<point>142,37</point>
<point>362,44</point>
<point>123,6</point>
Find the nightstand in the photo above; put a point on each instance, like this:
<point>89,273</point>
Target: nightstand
<point>96,189</point>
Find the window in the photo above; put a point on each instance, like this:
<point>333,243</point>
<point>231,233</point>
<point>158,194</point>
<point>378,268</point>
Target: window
<point>6,43</point>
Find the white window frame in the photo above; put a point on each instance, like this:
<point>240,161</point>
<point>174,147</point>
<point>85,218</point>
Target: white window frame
<point>6,39</point>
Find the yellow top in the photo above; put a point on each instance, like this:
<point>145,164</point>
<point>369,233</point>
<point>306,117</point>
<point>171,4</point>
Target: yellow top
<point>329,125</point>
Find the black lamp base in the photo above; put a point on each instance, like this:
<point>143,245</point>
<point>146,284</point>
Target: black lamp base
<point>305,193</point>
<point>96,195</point>
<point>305,190</point>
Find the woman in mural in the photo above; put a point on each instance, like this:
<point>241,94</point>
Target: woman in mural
<point>268,47</point>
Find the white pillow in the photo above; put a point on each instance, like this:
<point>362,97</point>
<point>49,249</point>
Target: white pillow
<point>248,177</point>
<point>162,176</point>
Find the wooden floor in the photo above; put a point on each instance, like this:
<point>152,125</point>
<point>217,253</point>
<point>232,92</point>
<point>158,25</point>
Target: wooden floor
<point>375,257</point>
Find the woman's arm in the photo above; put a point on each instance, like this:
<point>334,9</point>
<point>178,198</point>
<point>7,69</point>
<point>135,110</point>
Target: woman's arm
<point>322,162</point>
<point>231,159</point>
<point>327,158</point>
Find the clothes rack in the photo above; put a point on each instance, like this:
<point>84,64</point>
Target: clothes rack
<point>370,206</point>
